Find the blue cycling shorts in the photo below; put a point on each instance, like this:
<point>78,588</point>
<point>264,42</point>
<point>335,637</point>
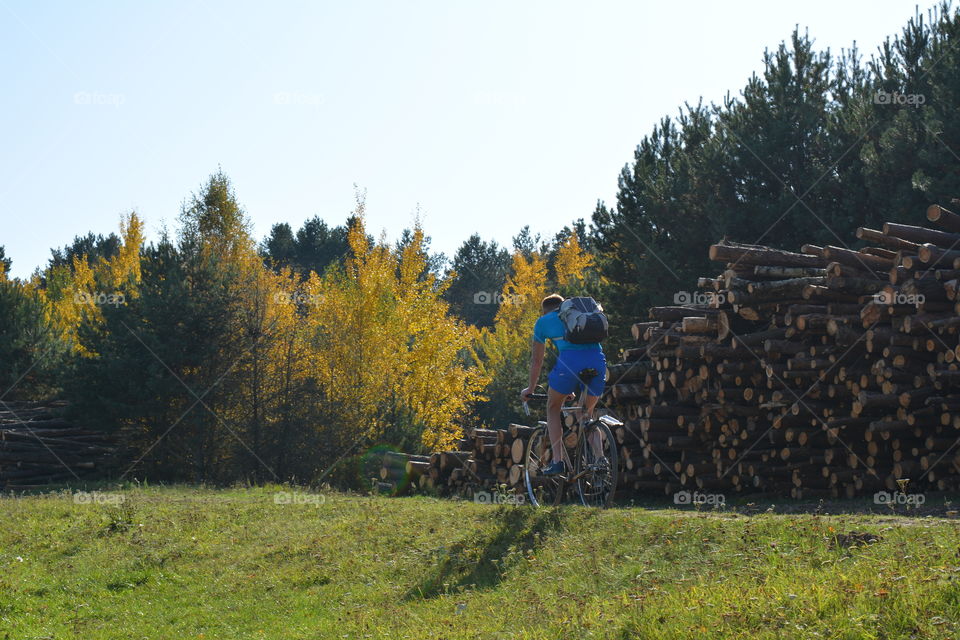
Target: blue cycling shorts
<point>571,362</point>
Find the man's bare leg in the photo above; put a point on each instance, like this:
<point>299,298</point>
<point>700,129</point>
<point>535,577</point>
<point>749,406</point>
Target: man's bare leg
<point>589,403</point>
<point>555,401</point>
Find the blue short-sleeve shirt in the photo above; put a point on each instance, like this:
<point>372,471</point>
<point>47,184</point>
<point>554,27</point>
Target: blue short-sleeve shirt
<point>550,327</point>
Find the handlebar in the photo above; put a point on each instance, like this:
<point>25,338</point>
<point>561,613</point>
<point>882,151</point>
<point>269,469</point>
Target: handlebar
<point>532,396</point>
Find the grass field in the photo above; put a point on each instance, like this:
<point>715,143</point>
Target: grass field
<point>187,562</point>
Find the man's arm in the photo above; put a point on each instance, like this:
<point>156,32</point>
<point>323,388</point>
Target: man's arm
<point>536,362</point>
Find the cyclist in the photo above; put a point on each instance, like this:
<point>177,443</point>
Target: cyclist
<point>565,378</point>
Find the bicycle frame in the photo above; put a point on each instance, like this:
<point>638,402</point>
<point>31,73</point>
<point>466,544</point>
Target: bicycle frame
<point>577,457</point>
<point>588,429</point>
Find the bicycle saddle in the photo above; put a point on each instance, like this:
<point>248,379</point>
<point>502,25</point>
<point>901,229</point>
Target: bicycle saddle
<point>588,374</point>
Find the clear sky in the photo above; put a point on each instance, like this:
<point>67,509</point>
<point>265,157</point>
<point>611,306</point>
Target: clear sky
<point>485,115</point>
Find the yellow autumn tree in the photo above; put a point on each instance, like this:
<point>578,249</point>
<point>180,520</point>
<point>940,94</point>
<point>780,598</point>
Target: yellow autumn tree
<point>575,269</point>
<point>300,406</point>
<point>122,272</point>
<point>389,358</point>
<point>571,262</point>
<point>354,346</point>
<point>272,365</point>
<point>504,351</point>
<point>75,293</point>
<point>437,385</point>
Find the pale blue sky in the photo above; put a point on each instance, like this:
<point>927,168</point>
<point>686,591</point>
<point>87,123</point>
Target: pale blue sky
<point>488,115</point>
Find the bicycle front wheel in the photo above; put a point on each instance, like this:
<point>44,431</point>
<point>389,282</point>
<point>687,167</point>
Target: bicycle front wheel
<point>541,490</point>
<point>597,467</point>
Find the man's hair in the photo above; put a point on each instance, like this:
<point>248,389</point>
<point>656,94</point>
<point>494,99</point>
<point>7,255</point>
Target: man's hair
<point>551,303</point>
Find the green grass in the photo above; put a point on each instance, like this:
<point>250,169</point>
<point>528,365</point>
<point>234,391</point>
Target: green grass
<point>187,562</point>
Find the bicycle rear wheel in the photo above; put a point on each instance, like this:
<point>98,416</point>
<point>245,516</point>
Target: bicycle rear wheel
<point>597,470</point>
<point>541,490</point>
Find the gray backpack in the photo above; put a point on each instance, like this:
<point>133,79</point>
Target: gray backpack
<point>583,321</point>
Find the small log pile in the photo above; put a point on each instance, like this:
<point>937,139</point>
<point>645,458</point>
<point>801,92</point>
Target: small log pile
<point>37,447</point>
<point>484,460</point>
<point>823,373</point>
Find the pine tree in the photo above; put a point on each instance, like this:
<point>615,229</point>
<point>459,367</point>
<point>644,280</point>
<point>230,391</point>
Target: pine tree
<point>91,248</point>
<point>168,356</point>
<point>280,247</point>
<point>653,243</point>
<point>478,272</point>
<point>314,247</point>
<point>31,348</point>
<point>779,152</point>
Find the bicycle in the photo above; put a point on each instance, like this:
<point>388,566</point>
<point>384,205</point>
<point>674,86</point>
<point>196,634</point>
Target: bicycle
<point>595,478</point>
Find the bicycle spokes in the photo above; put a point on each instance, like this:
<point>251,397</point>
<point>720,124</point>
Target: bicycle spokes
<point>597,467</point>
<point>541,490</point>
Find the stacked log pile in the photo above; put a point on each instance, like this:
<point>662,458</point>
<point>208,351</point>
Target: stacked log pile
<point>825,372</point>
<point>37,447</point>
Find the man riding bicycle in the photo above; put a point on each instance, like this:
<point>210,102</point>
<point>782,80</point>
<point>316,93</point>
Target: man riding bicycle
<point>578,365</point>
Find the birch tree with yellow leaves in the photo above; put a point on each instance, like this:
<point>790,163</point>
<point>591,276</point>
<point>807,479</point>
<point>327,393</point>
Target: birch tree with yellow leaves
<point>391,362</point>
<point>574,267</point>
<point>504,350</point>
<point>77,292</point>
